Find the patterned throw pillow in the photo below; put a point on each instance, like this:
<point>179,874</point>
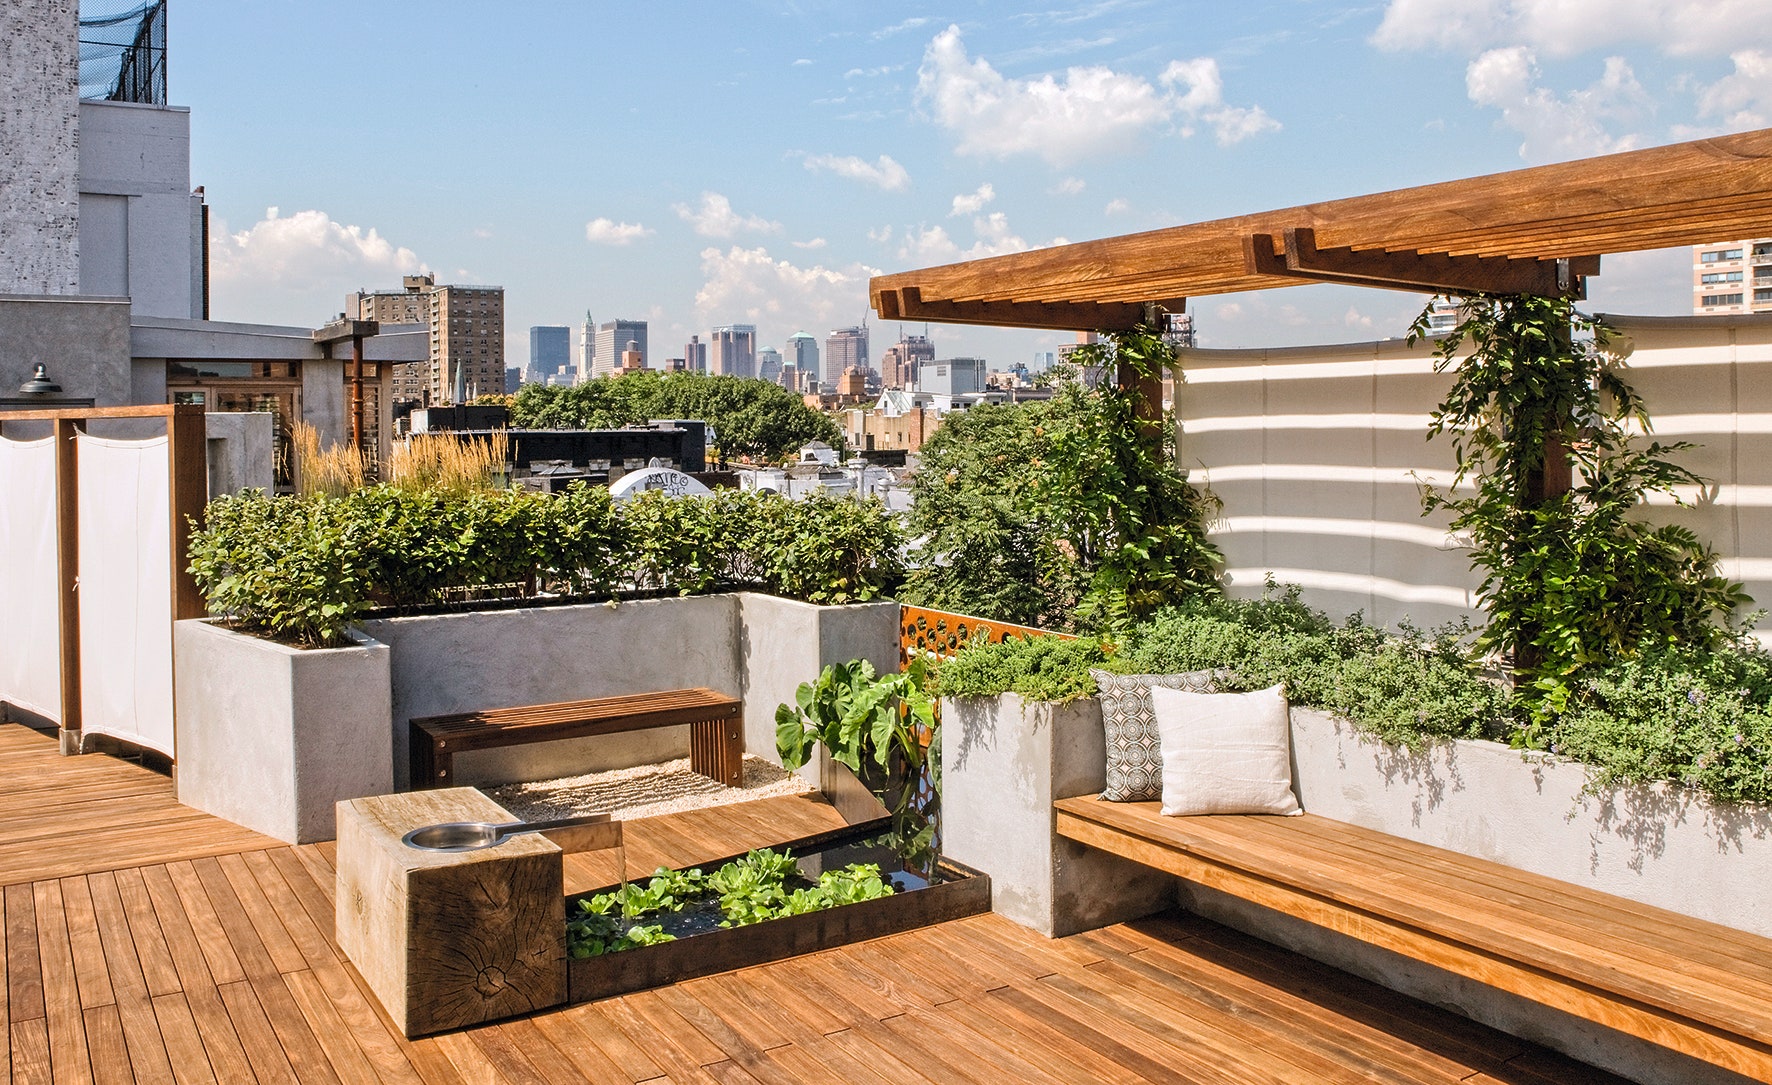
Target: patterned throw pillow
<point>1134,755</point>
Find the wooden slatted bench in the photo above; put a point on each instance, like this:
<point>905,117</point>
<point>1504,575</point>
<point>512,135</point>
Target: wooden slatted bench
<point>716,730</point>
<point>1683,983</point>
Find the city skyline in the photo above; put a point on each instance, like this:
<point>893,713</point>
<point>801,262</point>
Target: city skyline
<point>868,143</point>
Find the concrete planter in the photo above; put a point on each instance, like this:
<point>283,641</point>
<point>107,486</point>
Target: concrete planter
<point>271,737</point>
<point>754,647</point>
<point>1004,761</point>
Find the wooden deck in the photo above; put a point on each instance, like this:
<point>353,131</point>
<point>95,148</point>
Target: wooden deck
<point>135,953</point>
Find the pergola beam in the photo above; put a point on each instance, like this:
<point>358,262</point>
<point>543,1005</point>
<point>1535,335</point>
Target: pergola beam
<point>1716,189</point>
<point>1414,271</point>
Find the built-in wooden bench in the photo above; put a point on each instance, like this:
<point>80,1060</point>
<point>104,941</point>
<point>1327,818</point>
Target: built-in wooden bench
<point>716,730</point>
<point>1683,983</point>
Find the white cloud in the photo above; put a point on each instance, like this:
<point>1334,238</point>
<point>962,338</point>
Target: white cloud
<point>883,173</point>
<point>991,234</point>
<point>751,285</point>
<point>899,28</point>
<point>1568,27</point>
<point>814,243</point>
<point>1743,99</point>
<point>602,231</point>
<point>1356,319</point>
<point>1092,110</point>
<point>483,233</point>
<point>1070,186</point>
<point>881,233</point>
<point>1556,129</point>
<point>297,269</point>
<point>802,62</point>
<point>716,218</point>
<point>972,203</point>
<point>1229,312</point>
<point>1116,207</point>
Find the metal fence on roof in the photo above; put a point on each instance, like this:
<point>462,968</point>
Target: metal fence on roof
<point>123,50</point>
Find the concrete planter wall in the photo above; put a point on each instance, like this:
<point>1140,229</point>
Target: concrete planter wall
<point>1659,845</point>
<point>1004,761</point>
<point>271,737</point>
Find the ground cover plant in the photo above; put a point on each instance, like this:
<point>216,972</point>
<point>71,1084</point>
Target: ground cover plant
<point>302,569</point>
<point>764,885</point>
<point>1695,718</point>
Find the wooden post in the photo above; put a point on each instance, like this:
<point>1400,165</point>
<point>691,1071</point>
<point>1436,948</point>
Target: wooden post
<point>188,452</point>
<point>357,393</point>
<point>67,554</point>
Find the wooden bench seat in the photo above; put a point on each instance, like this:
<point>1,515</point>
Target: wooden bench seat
<point>716,730</point>
<point>1686,984</point>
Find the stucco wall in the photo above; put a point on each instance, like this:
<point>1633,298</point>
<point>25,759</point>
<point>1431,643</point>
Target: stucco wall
<point>40,134</point>
<point>83,341</point>
<point>139,155</point>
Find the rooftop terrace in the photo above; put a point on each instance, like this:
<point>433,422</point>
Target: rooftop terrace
<point>146,942</point>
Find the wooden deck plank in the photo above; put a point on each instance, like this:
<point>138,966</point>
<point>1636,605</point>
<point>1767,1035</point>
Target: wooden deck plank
<point>90,969</point>
<point>109,1051</point>
<point>184,1041</point>
<point>61,989</point>
<point>135,1008</point>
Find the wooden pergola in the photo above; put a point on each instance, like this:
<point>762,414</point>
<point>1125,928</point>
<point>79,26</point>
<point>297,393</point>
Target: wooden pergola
<point>1540,230</point>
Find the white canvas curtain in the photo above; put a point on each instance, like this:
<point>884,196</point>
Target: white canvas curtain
<point>30,656</point>
<point>126,590</point>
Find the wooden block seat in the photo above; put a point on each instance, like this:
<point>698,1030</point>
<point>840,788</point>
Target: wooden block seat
<point>1683,983</point>
<point>716,730</point>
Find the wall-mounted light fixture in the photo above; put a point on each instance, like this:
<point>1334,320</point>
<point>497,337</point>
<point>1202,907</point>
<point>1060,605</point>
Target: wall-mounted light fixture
<point>39,384</point>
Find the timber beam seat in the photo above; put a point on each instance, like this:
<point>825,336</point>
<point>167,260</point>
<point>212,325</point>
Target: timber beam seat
<point>716,730</point>
<point>1683,983</point>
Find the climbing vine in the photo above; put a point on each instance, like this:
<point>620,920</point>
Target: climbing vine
<point>1541,423</point>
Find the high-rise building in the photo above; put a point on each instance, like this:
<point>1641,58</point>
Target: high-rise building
<point>733,350</point>
<point>695,355</point>
<point>467,336</point>
<point>587,348</point>
<point>955,376</point>
<point>769,365</point>
<point>802,354</point>
<point>550,347</point>
<point>843,348</point>
<point>1732,277</point>
<point>898,366</point>
<point>613,337</point>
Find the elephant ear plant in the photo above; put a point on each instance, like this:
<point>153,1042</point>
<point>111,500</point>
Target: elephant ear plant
<point>876,725</point>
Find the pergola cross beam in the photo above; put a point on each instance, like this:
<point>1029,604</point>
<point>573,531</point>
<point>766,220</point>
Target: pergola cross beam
<point>1296,255</point>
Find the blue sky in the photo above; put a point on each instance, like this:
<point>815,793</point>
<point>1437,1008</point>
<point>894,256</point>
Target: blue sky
<point>695,164</point>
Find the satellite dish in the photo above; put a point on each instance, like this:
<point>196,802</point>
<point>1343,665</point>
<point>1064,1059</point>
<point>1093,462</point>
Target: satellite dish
<point>668,479</point>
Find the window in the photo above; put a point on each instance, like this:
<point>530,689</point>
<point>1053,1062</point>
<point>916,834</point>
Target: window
<point>1722,277</point>
<point>1714,300</point>
<point>1762,295</point>
<point>1717,257</point>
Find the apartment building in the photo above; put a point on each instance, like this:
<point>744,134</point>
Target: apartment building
<point>1732,277</point>
<point>467,326</point>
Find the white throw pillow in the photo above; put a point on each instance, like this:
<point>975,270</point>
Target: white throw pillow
<point>1225,753</point>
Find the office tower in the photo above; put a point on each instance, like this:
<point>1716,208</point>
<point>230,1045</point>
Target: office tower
<point>550,347</point>
<point>733,350</point>
<point>769,365</point>
<point>898,366</point>
<point>1732,277</point>
<point>467,336</point>
<point>802,354</point>
<point>843,348</point>
<point>695,355</point>
<point>613,336</point>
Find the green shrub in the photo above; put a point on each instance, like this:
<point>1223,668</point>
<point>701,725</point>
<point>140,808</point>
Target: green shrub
<point>295,570</point>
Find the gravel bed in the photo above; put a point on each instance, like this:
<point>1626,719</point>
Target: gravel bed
<point>643,791</point>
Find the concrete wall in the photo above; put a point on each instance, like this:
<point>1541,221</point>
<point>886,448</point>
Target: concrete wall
<point>239,452</point>
<point>272,737</point>
<point>1004,761</point>
<point>487,659</point>
<point>1319,454</point>
<point>136,213</point>
<point>40,132</point>
<point>784,643</point>
<point>84,342</point>
<point>1657,844</point>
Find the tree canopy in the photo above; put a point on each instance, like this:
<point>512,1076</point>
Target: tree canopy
<point>751,419</point>
<point>1060,513</point>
